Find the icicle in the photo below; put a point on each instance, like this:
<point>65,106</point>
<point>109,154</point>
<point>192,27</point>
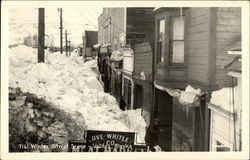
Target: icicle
<point>187,108</point>
<point>181,13</point>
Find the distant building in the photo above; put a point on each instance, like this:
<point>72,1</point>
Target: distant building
<point>122,29</point>
<point>226,110</point>
<point>90,38</point>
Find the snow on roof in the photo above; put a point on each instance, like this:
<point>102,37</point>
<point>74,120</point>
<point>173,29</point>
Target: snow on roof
<point>235,74</point>
<point>106,45</point>
<point>171,91</point>
<point>116,56</point>
<point>224,99</point>
<point>235,51</point>
<point>97,45</point>
<point>156,8</point>
<point>189,97</point>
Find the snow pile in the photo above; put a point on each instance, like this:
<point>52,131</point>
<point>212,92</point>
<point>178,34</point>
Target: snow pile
<point>190,89</point>
<point>116,56</point>
<point>224,98</point>
<point>142,76</point>
<point>32,121</point>
<point>72,85</point>
<point>189,97</point>
<point>137,123</point>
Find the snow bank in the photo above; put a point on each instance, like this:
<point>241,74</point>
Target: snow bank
<point>137,123</point>
<point>73,86</point>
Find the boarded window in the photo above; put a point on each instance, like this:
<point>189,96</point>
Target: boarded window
<point>177,39</point>
<point>160,40</point>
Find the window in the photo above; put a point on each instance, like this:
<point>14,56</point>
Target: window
<point>127,92</point>
<point>107,31</point>
<point>177,39</point>
<point>160,40</point>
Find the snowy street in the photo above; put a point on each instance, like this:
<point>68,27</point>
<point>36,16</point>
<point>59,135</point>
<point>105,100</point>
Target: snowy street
<point>97,78</point>
<point>71,85</point>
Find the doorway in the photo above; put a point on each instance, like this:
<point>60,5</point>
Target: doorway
<point>164,112</point>
<point>138,100</point>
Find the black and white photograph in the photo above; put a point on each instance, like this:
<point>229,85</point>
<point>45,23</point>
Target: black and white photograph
<point>125,78</point>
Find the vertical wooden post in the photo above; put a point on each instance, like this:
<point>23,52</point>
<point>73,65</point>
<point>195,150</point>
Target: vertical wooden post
<point>61,28</point>
<point>41,28</point>
<point>69,48</point>
<point>66,43</point>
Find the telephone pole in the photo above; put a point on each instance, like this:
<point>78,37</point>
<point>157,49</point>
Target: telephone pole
<point>69,47</point>
<point>61,29</point>
<point>66,43</point>
<point>41,35</point>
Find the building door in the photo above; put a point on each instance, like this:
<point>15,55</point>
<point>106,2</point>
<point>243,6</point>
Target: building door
<point>127,92</point>
<point>138,100</point>
<point>164,112</point>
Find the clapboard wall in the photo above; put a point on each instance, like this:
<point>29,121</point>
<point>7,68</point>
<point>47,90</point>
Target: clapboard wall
<point>140,21</point>
<point>228,36</point>
<point>143,59</point>
<point>198,45</point>
<point>143,63</point>
<point>209,34</point>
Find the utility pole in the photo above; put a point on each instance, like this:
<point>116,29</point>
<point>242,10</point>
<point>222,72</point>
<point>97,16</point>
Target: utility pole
<point>61,29</point>
<point>69,47</point>
<point>41,35</point>
<point>66,45</point>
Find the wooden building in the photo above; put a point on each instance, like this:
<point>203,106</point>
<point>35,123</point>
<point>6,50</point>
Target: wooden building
<point>191,47</point>
<point>142,78</point>
<point>226,110</point>
<point>123,28</point>
<point>103,56</point>
<point>89,40</point>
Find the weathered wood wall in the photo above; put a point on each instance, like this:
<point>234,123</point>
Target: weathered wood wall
<point>228,36</point>
<point>143,59</point>
<point>143,62</point>
<point>140,21</point>
<point>198,45</point>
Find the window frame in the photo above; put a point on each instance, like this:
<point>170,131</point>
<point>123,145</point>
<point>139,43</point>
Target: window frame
<point>170,33</point>
<point>166,14</point>
<point>163,43</point>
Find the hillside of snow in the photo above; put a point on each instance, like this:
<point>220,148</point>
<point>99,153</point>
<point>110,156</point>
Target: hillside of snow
<point>72,86</point>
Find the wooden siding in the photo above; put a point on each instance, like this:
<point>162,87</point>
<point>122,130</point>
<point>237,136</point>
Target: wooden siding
<point>143,59</point>
<point>140,21</point>
<point>198,45</point>
<point>228,36</point>
<point>136,21</point>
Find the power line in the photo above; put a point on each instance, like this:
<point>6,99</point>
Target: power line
<point>87,19</point>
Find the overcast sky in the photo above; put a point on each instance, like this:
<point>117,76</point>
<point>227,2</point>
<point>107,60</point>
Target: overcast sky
<point>25,21</point>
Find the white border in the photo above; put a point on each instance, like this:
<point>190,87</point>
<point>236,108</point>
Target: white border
<point>168,155</point>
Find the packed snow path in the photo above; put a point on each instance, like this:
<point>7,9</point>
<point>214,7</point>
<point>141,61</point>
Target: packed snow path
<point>73,86</point>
